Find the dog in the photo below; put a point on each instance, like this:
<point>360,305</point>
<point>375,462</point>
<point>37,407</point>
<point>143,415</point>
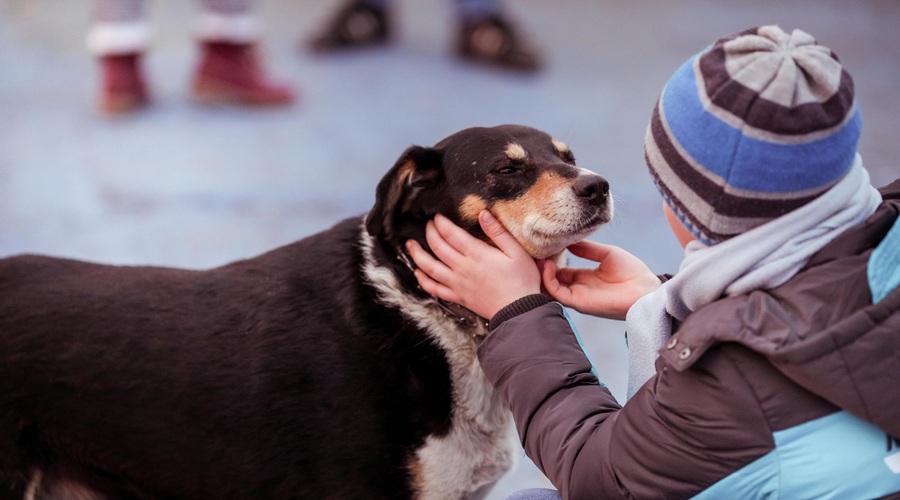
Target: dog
<point>317,370</point>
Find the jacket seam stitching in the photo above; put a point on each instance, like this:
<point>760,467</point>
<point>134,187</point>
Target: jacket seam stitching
<point>759,405</point>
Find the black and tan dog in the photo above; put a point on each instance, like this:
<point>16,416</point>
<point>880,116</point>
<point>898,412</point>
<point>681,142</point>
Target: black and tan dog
<point>317,370</point>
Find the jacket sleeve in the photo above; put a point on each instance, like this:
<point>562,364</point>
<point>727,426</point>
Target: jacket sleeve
<point>563,415</point>
<point>680,433</point>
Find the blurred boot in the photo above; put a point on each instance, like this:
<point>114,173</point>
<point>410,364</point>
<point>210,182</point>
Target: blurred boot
<point>122,83</point>
<point>118,37</point>
<point>233,73</point>
<point>357,24</point>
<point>493,40</point>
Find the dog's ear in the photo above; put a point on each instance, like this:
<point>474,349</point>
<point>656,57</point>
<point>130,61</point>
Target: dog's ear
<point>398,194</point>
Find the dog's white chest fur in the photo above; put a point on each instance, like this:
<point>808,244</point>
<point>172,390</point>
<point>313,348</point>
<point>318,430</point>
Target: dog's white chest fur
<point>479,447</point>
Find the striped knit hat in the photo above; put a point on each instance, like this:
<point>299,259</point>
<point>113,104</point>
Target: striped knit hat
<point>758,124</point>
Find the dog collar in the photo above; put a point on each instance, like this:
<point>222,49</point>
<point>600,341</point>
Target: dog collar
<point>460,314</point>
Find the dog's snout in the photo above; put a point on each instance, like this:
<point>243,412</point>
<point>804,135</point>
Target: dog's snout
<point>592,187</point>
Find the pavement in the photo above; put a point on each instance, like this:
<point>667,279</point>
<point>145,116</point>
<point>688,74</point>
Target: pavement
<point>180,184</point>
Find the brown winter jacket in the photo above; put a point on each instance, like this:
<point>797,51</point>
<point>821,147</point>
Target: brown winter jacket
<point>773,392</point>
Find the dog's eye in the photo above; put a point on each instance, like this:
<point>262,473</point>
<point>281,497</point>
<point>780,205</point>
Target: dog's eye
<point>507,169</point>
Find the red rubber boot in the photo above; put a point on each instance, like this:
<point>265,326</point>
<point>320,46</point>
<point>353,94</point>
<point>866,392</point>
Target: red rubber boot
<point>123,88</point>
<point>233,73</point>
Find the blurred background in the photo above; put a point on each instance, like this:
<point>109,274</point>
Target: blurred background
<point>186,185</point>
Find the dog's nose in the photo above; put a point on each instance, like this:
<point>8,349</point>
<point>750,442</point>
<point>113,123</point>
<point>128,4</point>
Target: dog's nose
<point>592,186</point>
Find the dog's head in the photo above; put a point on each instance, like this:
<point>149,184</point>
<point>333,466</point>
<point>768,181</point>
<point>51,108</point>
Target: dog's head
<point>527,179</point>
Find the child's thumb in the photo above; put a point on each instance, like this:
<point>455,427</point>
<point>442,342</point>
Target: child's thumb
<point>497,233</point>
<point>490,225</point>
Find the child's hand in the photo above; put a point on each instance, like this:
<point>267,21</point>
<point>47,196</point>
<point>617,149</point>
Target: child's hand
<point>472,273</point>
<point>607,291</point>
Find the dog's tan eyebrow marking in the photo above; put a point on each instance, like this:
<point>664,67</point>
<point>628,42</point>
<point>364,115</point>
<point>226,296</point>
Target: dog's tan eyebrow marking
<point>471,206</point>
<point>515,152</point>
<point>560,146</point>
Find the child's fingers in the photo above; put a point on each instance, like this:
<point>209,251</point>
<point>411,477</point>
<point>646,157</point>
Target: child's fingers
<point>591,250</point>
<point>499,235</point>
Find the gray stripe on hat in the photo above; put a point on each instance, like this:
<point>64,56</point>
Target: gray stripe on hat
<point>780,67</point>
<point>743,93</point>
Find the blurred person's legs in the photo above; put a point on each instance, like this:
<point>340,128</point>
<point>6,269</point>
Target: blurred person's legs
<point>484,33</point>
<point>229,70</point>
<point>119,36</point>
<point>487,35</point>
<point>230,67</point>
<point>358,23</point>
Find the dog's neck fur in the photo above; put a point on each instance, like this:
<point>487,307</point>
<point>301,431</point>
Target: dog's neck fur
<point>449,466</point>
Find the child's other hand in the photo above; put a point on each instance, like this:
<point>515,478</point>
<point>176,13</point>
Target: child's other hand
<point>607,291</point>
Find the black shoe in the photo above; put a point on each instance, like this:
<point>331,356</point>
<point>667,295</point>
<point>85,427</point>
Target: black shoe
<point>493,40</point>
<point>356,25</point>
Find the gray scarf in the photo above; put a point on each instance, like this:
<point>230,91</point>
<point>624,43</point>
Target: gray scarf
<point>762,258</point>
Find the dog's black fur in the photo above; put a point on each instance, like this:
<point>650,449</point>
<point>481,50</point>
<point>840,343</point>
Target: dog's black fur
<point>288,375</point>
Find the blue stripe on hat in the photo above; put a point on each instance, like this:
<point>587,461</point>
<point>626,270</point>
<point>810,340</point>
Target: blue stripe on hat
<point>748,163</point>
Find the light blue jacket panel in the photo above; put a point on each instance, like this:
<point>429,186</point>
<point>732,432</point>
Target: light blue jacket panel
<point>859,461</point>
